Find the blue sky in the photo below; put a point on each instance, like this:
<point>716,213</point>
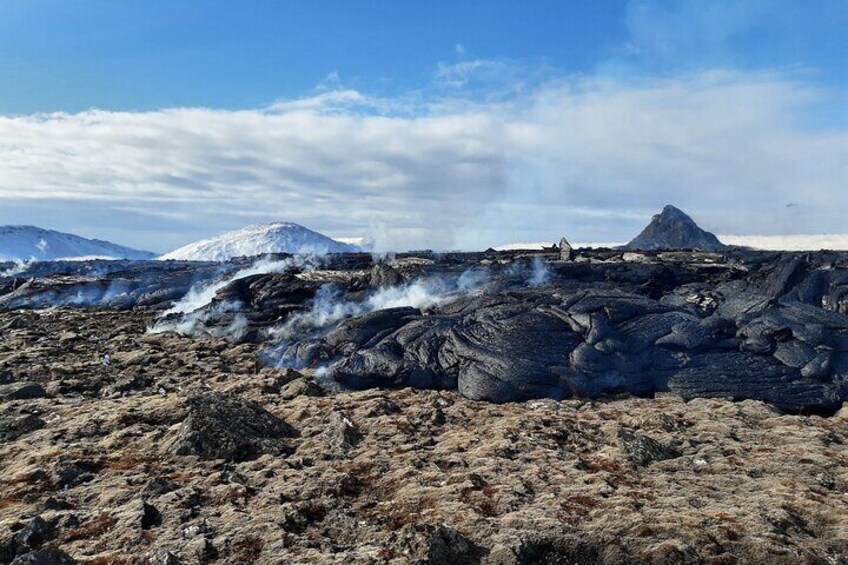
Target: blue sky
<point>64,55</point>
<point>422,123</point>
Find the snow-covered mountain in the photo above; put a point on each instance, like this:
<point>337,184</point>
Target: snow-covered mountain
<point>25,243</point>
<point>278,237</point>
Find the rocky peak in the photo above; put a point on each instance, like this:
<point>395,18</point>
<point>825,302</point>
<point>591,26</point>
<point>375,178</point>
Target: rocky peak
<point>674,229</point>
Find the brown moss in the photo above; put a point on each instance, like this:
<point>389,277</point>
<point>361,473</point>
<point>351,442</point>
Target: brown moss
<point>93,528</point>
<point>7,501</point>
<point>112,560</point>
<point>246,550</point>
<point>130,462</point>
<point>404,513</point>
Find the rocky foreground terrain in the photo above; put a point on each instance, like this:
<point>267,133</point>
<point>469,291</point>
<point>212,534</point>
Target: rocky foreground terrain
<point>120,446</point>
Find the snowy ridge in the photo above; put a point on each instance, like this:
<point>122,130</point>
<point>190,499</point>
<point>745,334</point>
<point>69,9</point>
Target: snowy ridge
<point>31,243</point>
<point>278,237</point>
<point>538,245</point>
<point>831,242</point>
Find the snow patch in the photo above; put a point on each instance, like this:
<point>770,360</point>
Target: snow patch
<point>538,245</point>
<point>832,242</point>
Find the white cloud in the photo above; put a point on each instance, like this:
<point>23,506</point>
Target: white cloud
<point>587,158</point>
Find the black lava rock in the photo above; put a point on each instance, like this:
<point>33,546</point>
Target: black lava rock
<point>22,391</point>
<point>49,556</point>
<point>673,229</point>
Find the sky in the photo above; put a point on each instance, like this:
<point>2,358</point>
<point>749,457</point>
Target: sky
<point>422,124</point>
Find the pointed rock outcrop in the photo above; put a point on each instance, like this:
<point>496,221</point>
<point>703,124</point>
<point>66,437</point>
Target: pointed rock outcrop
<point>566,252</point>
<point>674,229</point>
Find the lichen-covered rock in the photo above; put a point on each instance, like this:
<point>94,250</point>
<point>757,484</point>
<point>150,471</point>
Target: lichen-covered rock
<point>642,450</point>
<point>340,435</point>
<point>441,544</point>
<point>222,426</point>
<point>301,387</point>
<point>13,426</point>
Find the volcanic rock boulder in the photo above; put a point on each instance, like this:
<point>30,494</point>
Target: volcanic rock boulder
<point>643,450</point>
<point>673,229</point>
<point>441,544</point>
<point>223,426</point>
<point>49,556</point>
<point>13,426</point>
<point>340,435</point>
<point>566,252</point>
<point>22,391</point>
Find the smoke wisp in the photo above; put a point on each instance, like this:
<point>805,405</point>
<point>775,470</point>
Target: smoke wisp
<point>19,267</point>
<point>540,273</point>
<point>202,294</point>
<point>189,315</point>
<point>328,307</point>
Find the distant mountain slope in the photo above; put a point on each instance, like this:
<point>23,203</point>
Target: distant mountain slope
<point>24,243</point>
<point>279,237</point>
<point>673,229</point>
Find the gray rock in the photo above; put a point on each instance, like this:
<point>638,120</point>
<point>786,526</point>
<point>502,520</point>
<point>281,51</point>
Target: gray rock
<point>6,377</point>
<point>32,536</point>
<point>340,434</point>
<point>70,472</point>
<point>44,557</point>
<point>301,387</point>
<point>128,384</point>
<point>385,276</point>
<point>159,486</point>
<point>223,426</point>
<point>150,516</point>
<point>442,544</point>
<point>532,547</point>
<point>566,252</point>
<point>642,450</point>
<point>163,557</point>
<point>673,229</point>
<point>12,427</point>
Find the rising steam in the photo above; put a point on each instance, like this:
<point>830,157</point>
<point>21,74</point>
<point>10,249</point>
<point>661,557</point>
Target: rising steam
<point>540,274</point>
<point>328,306</point>
<point>19,267</point>
<point>189,316</point>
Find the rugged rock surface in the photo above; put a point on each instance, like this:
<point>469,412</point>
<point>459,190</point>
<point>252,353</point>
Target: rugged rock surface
<point>221,426</point>
<point>765,327</point>
<point>119,285</point>
<point>566,252</point>
<point>388,475</point>
<point>502,326</point>
<point>673,229</point>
